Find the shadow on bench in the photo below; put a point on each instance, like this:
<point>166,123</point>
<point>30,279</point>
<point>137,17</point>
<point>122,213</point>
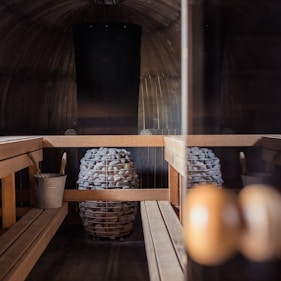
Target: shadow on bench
<point>23,243</point>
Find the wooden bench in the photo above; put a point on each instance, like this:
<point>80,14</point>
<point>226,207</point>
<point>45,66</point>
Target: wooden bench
<point>24,242</point>
<point>163,234</point>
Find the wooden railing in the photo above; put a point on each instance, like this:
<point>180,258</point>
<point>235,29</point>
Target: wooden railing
<point>158,218</point>
<point>13,158</point>
<point>109,141</point>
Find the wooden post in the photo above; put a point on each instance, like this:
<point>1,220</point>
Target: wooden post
<point>8,201</point>
<point>173,184</point>
<point>182,194</point>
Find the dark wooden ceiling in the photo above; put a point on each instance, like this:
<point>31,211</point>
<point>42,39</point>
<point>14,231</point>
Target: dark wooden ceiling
<point>30,30</point>
<point>37,62</point>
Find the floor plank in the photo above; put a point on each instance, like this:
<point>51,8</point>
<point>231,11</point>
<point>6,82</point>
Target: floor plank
<point>72,256</point>
<point>167,260</point>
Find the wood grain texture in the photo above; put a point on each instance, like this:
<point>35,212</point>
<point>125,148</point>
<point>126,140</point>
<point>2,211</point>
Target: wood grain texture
<point>149,245</point>
<point>14,146</point>
<point>15,231</point>
<point>36,231</point>
<point>168,264</point>
<point>8,201</point>
<point>16,163</point>
<point>97,141</point>
<point>10,145</point>
<point>223,140</point>
<point>176,144</point>
<point>175,152</point>
<point>173,184</point>
<point>116,194</point>
<point>175,160</point>
<point>272,142</point>
<point>174,229</point>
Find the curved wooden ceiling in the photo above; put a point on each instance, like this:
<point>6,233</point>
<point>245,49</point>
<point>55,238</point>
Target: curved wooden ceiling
<point>61,14</point>
<point>36,35</point>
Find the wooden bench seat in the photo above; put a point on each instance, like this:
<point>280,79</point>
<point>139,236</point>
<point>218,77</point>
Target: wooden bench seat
<point>163,234</point>
<point>23,243</point>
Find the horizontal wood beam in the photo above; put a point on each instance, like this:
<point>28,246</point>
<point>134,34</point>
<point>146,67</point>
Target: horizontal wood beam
<point>117,194</point>
<point>10,146</point>
<point>18,163</point>
<point>272,142</point>
<point>223,140</point>
<point>106,141</point>
<point>14,146</point>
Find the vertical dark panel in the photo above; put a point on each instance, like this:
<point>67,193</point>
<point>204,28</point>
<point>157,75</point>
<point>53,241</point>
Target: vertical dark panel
<point>107,70</point>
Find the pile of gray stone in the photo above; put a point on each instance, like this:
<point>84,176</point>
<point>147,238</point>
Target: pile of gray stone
<point>203,167</point>
<point>107,168</point>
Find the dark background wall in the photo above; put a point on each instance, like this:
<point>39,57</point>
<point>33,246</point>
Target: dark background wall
<point>107,58</point>
<point>38,90</point>
<point>236,74</point>
<point>239,66</point>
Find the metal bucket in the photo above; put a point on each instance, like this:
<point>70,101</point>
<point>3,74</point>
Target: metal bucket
<point>49,188</point>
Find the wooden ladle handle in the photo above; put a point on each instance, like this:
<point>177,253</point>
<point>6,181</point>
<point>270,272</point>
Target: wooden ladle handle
<point>63,163</point>
<point>243,163</point>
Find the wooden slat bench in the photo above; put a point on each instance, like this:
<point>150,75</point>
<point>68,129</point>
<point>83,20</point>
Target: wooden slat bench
<point>163,236</point>
<point>23,243</point>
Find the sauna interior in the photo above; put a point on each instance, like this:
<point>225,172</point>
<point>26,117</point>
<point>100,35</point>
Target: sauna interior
<point>154,78</point>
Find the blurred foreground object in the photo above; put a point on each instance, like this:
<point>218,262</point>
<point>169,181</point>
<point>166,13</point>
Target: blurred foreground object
<point>261,210</point>
<point>218,223</point>
<point>212,224</point>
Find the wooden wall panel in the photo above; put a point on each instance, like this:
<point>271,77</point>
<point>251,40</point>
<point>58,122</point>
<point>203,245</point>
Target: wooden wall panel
<point>160,103</point>
<point>37,72</point>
